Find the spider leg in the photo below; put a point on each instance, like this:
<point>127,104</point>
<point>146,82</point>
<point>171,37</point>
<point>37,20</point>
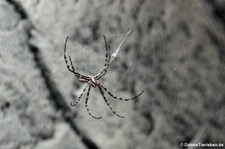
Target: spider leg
<point>66,61</point>
<point>114,112</point>
<point>86,104</point>
<point>74,103</point>
<point>107,56</point>
<point>65,58</point>
<point>76,73</point>
<point>119,98</point>
<point>107,60</point>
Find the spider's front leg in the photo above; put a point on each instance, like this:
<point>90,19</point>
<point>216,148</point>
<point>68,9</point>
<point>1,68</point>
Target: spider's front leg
<point>71,68</point>
<point>107,61</point>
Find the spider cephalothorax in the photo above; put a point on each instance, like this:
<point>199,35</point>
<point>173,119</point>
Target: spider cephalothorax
<point>93,81</point>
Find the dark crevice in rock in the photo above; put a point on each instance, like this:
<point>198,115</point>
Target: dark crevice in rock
<point>94,29</point>
<point>137,9</point>
<point>18,8</point>
<point>184,27</point>
<point>182,121</point>
<point>4,107</point>
<point>215,124</point>
<point>219,11</point>
<point>185,128</point>
<point>193,117</point>
<point>218,42</point>
<point>56,96</point>
<point>149,118</point>
<point>197,52</point>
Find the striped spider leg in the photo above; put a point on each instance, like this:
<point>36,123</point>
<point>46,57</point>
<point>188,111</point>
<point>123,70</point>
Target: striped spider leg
<point>107,60</point>
<point>93,81</point>
<point>82,78</point>
<point>77,74</point>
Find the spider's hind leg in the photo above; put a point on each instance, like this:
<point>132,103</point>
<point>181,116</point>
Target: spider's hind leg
<point>119,98</point>
<point>74,103</point>
<point>114,112</point>
<point>86,104</point>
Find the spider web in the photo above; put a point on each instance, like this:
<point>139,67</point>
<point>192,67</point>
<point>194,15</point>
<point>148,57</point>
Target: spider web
<point>92,54</point>
<point>171,59</point>
<point>159,62</point>
<point>89,59</point>
<point>115,52</point>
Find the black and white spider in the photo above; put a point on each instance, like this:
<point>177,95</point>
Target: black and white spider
<point>93,81</point>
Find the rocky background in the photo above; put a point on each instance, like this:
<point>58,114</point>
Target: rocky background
<point>175,53</point>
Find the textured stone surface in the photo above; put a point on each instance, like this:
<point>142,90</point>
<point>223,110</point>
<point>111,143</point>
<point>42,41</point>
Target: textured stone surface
<point>175,53</point>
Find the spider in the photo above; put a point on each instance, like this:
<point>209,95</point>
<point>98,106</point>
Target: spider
<point>93,81</point>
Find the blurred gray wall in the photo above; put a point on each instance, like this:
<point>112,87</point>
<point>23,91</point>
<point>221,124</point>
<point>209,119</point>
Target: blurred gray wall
<point>175,53</point>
